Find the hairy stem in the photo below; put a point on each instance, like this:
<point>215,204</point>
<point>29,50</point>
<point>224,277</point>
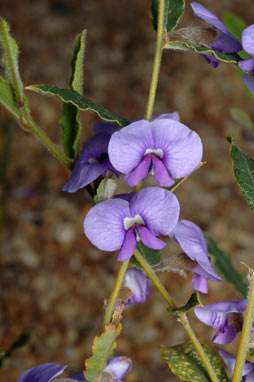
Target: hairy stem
<point>182,317</point>
<point>246,332</point>
<point>157,61</point>
<point>115,292</point>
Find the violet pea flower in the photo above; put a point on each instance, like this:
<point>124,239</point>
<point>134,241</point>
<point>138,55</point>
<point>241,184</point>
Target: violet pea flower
<point>248,65</point>
<point>118,224</point>
<point>218,316</point>
<point>224,40</point>
<point>135,288</point>
<point>248,369</point>
<point>192,241</point>
<point>93,160</point>
<point>163,147</point>
<point>116,369</point>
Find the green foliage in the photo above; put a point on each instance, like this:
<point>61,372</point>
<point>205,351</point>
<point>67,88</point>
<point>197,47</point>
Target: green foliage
<point>223,265</point>
<point>7,98</point>
<point>243,167</point>
<point>82,103</point>
<point>19,343</point>
<point>174,10</point>
<point>106,190</point>
<point>103,347</point>
<point>243,118</point>
<point>230,58</point>
<point>185,362</point>
<point>10,61</point>
<point>192,303</point>
<point>70,120</point>
<point>152,256</point>
<point>235,26</point>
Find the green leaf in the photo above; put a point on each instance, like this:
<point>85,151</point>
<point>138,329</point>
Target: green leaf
<point>235,26</point>
<point>7,98</point>
<point>190,305</point>
<point>102,349</point>
<point>174,10</point>
<point>230,58</point>
<point>243,118</point>
<point>106,190</point>
<point>10,61</point>
<point>19,343</point>
<point>82,103</point>
<point>243,167</point>
<point>152,256</point>
<point>223,265</point>
<point>185,362</point>
<point>70,120</point>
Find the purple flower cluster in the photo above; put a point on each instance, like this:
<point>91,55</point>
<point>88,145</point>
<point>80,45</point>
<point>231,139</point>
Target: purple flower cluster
<point>116,369</point>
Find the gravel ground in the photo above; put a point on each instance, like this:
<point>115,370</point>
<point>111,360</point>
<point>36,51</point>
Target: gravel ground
<point>53,282</point>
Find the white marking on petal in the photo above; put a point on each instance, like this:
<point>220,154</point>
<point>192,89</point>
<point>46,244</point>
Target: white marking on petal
<point>93,161</point>
<point>129,222</point>
<point>158,152</point>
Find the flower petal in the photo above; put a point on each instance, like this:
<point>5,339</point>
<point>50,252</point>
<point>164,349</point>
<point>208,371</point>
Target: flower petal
<point>138,283</point>
<point>247,65</point>
<point>182,147</point>
<point>214,319</point>
<point>41,373</point>
<point>118,367</point>
<point>191,239</point>
<point>105,128</point>
<point>158,208</point>
<point>161,174</point>
<point>203,14</point>
<point>200,283</point>
<point>230,363</point>
<point>103,224</point>
<point>149,239</point>
<point>225,43</point>
<point>248,39</point>
<point>248,80</point>
<point>138,173</point>
<point>128,246</point>
<point>127,146</point>
<point>225,335</point>
<point>78,376</point>
<point>174,115</point>
<point>211,60</point>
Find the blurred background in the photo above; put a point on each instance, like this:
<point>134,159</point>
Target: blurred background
<point>52,281</point>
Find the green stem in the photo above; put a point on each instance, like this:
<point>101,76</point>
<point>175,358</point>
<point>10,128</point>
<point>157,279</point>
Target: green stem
<point>115,292</point>
<point>157,61</point>
<point>182,316</point>
<point>246,332</point>
<point>29,125</point>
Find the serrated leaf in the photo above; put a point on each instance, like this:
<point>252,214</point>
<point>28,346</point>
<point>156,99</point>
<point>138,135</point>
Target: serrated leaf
<point>82,103</point>
<point>152,256</point>
<point>185,362</point>
<point>19,343</point>
<point>173,12</point>
<point>10,61</point>
<point>102,348</point>
<point>243,167</point>
<point>192,303</point>
<point>235,26</point>
<point>70,120</point>
<point>243,118</point>
<point>7,98</point>
<point>230,58</point>
<point>223,265</point>
<point>106,190</point>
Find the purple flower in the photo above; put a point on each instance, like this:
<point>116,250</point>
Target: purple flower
<point>248,65</point>
<point>118,223</point>
<point>135,288</point>
<point>192,241</point>
<point>248,369</point>
<point>224,41</point>
<point>164,148</point>
<point>219,316</point>
<point>93,160</point>
<point>116,368</point>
